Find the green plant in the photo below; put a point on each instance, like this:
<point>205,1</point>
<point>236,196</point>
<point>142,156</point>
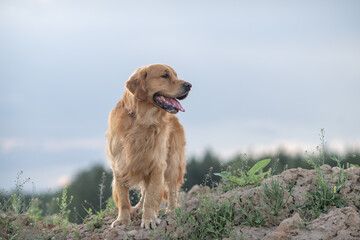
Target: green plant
<point>157,234</point>
<point>9,227</point>
<point>254,176</point>
<point>101,189</point>
<point>76,235</point>
<point>16,202</point>
<point>323,198</point>
<point>211,220</point>
<point>12,229</point>
<point>110,205</point>
<point>34,209</point>
<point>63,205</point>
<point>326,194</point>
<point>208,181</point>
<point>249,215</point>
<point>275,198</point>
<point>96,220</point>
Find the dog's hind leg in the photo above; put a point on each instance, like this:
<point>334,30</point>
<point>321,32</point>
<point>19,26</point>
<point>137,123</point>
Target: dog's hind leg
<point>174,178</point>
<point>176,166</point>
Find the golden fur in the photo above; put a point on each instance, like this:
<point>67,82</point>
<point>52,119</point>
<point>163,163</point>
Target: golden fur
<point>146,144</point>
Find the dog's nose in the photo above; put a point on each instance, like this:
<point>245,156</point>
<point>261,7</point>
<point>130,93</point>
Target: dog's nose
<point>187,85</point>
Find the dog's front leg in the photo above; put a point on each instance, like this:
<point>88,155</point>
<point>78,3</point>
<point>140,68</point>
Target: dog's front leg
<point>121,198</point>
<point>153,197</point>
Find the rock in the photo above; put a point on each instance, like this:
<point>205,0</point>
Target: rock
<point>288,225</point>
<point>286,228</point>
<point>326,168</point>
<point>196,190</point>
<point>132,233</point>
<point>339,223</point>
<point>116,233</point>
<point>277,236</point>
<point>144,235</point>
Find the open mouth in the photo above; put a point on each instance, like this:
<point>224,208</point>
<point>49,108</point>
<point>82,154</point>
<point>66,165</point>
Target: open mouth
<point>169,104</point>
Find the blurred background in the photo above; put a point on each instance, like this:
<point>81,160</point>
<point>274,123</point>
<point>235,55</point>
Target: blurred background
<point>266,76</point>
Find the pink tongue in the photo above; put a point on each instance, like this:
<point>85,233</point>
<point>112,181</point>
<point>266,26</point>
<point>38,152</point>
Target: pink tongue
<point>173,102</point>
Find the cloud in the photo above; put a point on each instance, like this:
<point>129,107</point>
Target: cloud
<point>71,144</point>
<point>63,180</point>
<point>8,145</point>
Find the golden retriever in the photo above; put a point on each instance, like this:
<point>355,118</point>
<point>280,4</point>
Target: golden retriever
<point>146,142</point>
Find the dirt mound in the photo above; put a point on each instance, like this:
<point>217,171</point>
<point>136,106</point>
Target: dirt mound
<point>245,212</point>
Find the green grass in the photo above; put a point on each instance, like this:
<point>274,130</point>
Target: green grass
<point>327,194</point>
<point>96,220</point>
<point>249,215</point>
<point>212,220</point>
<point>276,198</point>
<point>64,204</point>
<point>16,202</point>
<point>34,210</point>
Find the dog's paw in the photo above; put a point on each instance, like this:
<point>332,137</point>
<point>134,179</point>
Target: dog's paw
<point>147,224</point>
<point>120,222</point>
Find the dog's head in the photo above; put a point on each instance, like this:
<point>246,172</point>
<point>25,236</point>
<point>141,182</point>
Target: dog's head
<point>159,85</point>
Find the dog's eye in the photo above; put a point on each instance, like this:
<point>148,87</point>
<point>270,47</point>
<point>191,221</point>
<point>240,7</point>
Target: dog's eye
<point>165,75</point>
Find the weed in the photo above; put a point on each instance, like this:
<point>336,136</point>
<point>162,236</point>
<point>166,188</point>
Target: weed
<point>96,219</point>
<point>110,205</point>
<point>12,230</point>
<point>101,189</point>
<point>321,200</point>
<point>275,198</point>
<point>208,181</point>
<point>254,176</point>
<point>235,235</point>
<point>251,216</point>
<point>186,222</point>
<point>10,226</point>
<point>156,234</point>
<point>34,210</point>
<point>76,235</point>
<point>16,202</point>
<point>211,220</point>
<point>326,194</point>
<point>63,204</point>
<point>76,215</point>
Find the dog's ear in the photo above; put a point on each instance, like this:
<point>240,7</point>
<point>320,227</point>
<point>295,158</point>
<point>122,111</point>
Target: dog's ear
<point>136,84</point>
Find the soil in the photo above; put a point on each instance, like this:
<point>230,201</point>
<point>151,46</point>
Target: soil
<point>336,223</point>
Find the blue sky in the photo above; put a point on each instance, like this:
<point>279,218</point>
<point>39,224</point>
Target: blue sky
<point>265,74</point>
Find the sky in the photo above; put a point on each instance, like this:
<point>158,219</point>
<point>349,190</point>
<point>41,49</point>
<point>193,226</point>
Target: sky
<point>266,75</point>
